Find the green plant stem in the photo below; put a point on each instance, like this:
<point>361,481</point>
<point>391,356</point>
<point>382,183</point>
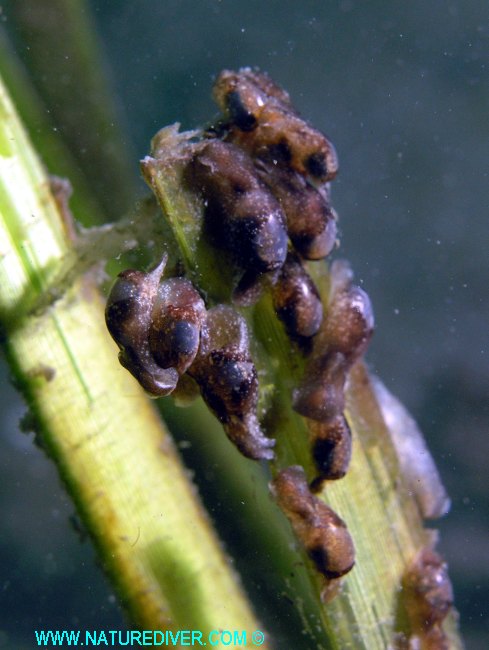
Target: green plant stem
<point>115,457</point>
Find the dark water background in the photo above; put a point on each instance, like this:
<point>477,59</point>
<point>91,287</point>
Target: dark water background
<point>402,90</point>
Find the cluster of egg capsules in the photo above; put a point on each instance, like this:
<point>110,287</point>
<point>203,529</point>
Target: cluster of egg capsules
<point>263,173</point>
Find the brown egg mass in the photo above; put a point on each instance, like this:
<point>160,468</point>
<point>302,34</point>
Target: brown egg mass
<point>241,214</point>
<point>311,222</point>
<point>228,380</point>
<point>128,315</point>
<point>331,448</point>
<point>323,534</point>
<point>263,123</point>
<point>177,316</point>
<point>296,300</point>
<point>428,594</point>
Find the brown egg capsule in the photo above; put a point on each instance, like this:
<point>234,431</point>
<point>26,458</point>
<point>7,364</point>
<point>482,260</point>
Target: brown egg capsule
<point>228,380</point>
<point>264,124</point>
<point>177,316</point>
<point>343,337</point>
<point>331,449</point>
<point>320,395</point>
<point>311,222</point>
<point>349,322</point>
<point>241,95</point>
<point>239,98</point>
<point>296,300</point>
<point>128,318</point>
<point>323,534</point>
<point>287,140</point>
<point>428,598</point>
<point>241,214</point>
<point>156,326</point>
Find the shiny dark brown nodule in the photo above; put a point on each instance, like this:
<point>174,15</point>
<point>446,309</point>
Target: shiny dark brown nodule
<point>128,315</point>
<point>311,222</point>
<point>264,123</point>
<point>296,300</point>
<point>428,598</point>
<point>323,534</point>
<point>177,317</point>
<point>242,216</point>
<point>228,380</point>
<point>331,448</point>
<point>344,334</point>
<point>156,325</point>
<point>241,213</point>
